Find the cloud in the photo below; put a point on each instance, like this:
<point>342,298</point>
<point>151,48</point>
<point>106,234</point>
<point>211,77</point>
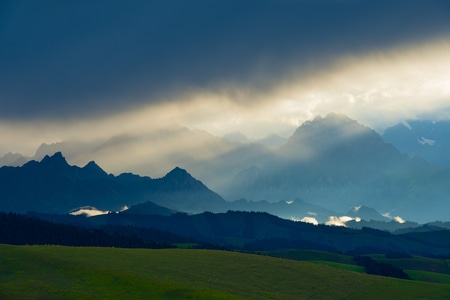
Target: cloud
<point>340,221</point>
<point>397,219</point>
<point>134,69</point>
<point>310,220</point>
<point>377,89</point>
<point>88,211</point>
<point>92,59</point>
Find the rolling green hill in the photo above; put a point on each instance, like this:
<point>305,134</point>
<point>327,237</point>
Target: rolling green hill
<point>56,272</point>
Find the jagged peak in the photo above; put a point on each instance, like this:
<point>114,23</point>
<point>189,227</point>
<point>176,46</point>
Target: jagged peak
<point>56,159</point>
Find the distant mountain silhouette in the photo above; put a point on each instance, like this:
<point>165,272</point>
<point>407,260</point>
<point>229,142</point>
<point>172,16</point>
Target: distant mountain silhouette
<point>338,163</point>
<point>212,159</point>
<point>13,159</point>
<point>427,139</point>
<point>53,186</point>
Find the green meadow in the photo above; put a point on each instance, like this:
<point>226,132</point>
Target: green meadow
<point>56,272</point>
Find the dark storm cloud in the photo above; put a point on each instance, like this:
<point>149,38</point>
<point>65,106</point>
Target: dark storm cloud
<point>63,59</point>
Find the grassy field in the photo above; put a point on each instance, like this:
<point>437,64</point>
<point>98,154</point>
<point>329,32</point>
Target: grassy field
<point>54,272</point>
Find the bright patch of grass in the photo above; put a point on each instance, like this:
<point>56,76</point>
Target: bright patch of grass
<point>187,245</point>
<point>32,272</point>
<point>312,255</point>
<point>348,267</point>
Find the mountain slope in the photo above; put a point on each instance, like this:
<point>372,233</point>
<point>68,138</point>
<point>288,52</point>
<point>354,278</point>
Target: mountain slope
<point>178,190</point>
<point>423,138</point>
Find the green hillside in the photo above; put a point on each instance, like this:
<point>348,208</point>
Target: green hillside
<point>55,272</point>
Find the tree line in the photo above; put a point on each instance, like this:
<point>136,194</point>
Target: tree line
<point>16,229</point>
<point>379,268</point>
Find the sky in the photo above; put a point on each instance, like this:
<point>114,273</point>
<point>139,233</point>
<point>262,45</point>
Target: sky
<point>95,69</point>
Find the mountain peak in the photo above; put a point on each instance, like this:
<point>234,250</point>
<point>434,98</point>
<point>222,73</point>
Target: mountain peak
<point>178,169</point>
<point>94,170</point>
<point>56,160</point>
<point>181,179</point>
<point>334,120</point>
<point>178,173</point>
<point>92,165</point>
<point>331,132</point>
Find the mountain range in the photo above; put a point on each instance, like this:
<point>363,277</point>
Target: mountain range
<point>326,167</point>
<point>54,186</point>
<point>212,159</point>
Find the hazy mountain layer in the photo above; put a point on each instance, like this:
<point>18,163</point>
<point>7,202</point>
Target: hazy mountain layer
<point>211,159</point>
<point>427,139</point>
<point>338,163</point>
